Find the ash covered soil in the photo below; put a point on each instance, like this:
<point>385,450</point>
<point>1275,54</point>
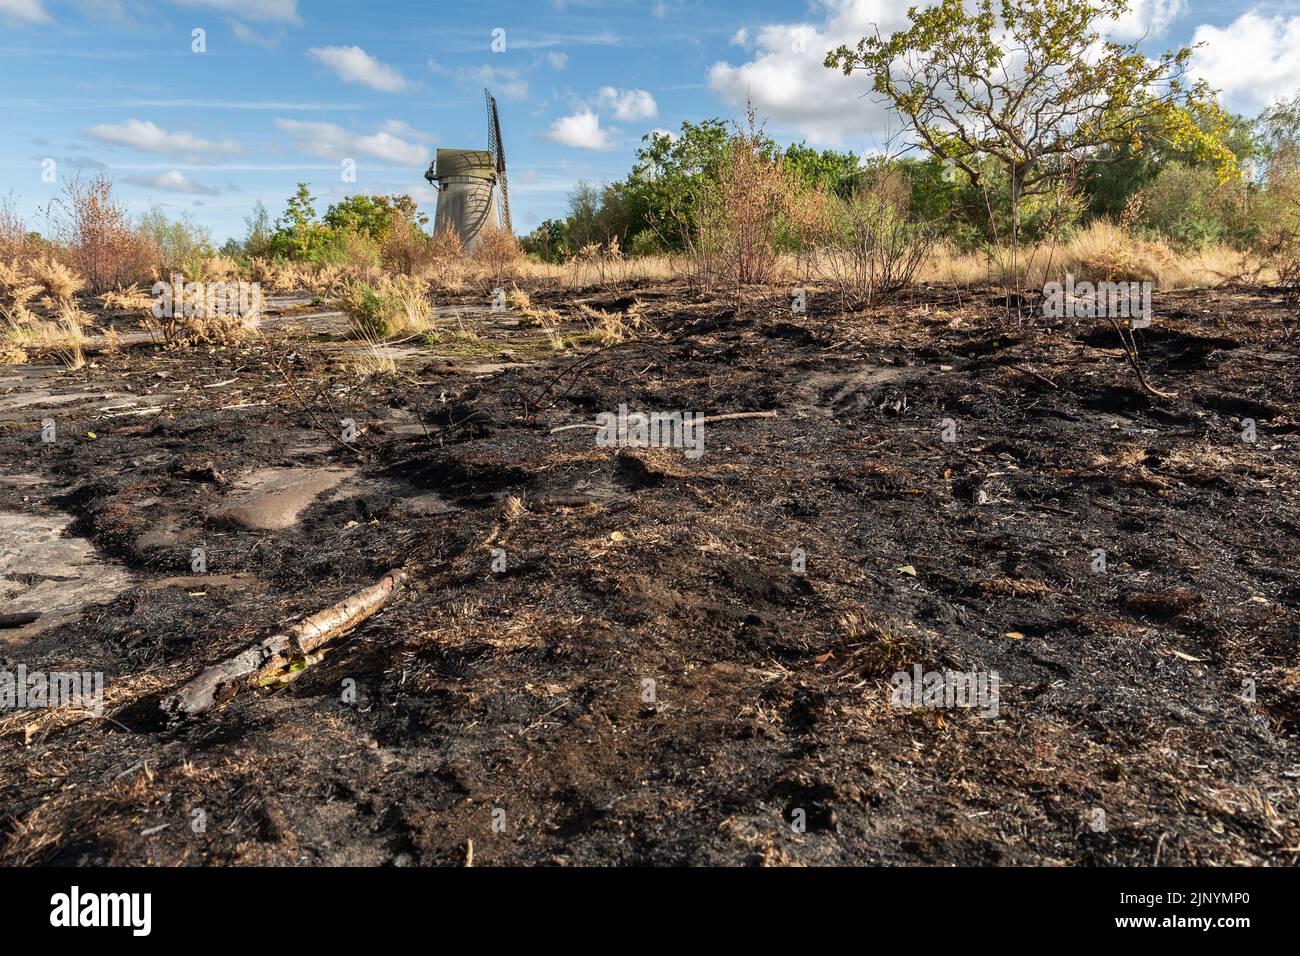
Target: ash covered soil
<point>482,697</point>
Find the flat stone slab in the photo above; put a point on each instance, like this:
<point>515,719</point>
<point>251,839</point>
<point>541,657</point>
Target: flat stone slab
<point>273,499</point>
<point>44,570</point>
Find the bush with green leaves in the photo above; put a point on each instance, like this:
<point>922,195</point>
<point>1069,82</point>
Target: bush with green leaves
<point>181,242</point>
<point>1190,207</point>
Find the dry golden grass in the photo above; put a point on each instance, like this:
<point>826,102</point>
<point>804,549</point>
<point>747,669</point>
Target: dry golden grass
<point>219,269</point>
<point>64,336</point>
<point>517,298</point>
<point>13,275</point>
<point>390,305</point>
<point>279,277</point>
<point>610,328</point>
<point>372,358</point>
<point>1104,251</point>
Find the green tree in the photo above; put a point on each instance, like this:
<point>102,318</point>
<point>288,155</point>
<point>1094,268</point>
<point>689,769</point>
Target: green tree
<point>257,232</point>
<point>671,174</point>
<point>1127,169</point>
<point>182,243</point>
<point>1279,130</point>
<point>298,233</point>
<point>374,216</point>
<point>827,170</point>
<point>549,241</point>
<point>1034,86</point>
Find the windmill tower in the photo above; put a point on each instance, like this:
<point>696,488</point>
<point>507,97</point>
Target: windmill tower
<point>471,184</point>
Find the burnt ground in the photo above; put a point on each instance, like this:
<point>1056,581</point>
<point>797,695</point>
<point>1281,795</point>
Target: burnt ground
<point>526,691</point>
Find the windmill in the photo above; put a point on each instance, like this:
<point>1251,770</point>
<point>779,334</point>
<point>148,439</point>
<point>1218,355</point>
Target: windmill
<point>471,184</point>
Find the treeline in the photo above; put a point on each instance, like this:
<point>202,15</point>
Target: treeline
<point>1161,190</point>
<point>90,229</point>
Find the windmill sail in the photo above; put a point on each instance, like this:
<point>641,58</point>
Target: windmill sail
<point>497,149</point>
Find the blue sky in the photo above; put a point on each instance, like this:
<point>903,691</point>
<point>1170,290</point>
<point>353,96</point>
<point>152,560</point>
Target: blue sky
<point>289,89</point>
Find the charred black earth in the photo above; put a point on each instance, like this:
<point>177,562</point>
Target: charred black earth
<point>610,655</point>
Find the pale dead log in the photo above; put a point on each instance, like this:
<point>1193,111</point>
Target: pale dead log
<point>729,416</point>
<point>222,681</point>
<point>685,424</point>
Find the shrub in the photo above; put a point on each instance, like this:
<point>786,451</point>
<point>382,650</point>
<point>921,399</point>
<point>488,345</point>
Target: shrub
<point>405,248</point>
<point>13,231</point>
<point>348,248</point>
<point>103,245</point>
<point>645,243</point>
<point>740,215</point>
<point>182,243</point>
<point>388,306</point>
<point>498,253</point>
<point>870,247</point>
<point>216,312</point>
<point>1188,206</point>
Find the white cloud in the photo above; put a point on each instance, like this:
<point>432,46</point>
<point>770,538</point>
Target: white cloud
<point>628,105</point>
<point>504,81</point>
<point>138,134</point>
<point>582,130</point>
<point>334,142</point>
<point>355,65</point>
<point>558,61</point>
<point>29,11</point>
<point>1253,60</point>
<point>172,182</point>
<point>396,127</point>
<point>259,11</point>
<point>246,34</point>
<point>1145,18</point>
<point>788,84</point>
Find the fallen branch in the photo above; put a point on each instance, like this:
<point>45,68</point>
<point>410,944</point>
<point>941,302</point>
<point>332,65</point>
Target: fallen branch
<point>691,424</point>
<point>727,417</point>
<point>220,682</point>
<point>1131,352</point>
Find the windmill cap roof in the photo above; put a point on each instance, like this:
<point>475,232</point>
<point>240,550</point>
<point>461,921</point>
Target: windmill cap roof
<point>465,162</point>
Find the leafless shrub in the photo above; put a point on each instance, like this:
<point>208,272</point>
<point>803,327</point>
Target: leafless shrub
<point>498,253</point>
<point>742,215</point>
<point>13,231</point>
<point>103,245</point>
<point>870,248</point>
